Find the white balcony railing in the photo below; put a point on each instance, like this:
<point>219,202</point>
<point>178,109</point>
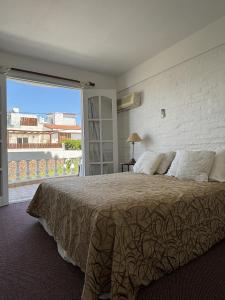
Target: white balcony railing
<point>34,145</point>
<point>26,170</point>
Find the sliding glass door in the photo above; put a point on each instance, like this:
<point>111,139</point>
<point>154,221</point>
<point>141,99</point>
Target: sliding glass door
<point>100,131</point>
<point>3,143</point>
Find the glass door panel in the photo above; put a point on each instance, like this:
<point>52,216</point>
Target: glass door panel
<point>94,130</point>
<point>107,152</point>
<point>95,169</point>
<point>107,130</point>
<point>93,107</point>
<point>107,168</point>
<point>106,108</point>
<point>94,152</point>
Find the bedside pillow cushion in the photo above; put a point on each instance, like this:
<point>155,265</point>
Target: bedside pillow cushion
<point>195,165</point>
<point>218,170</point>
<point>148,163</point>
<point>173,168</point>
<point>166,162</point>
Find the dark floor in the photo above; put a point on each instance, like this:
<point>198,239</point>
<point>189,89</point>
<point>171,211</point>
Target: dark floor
<point>30,267</point>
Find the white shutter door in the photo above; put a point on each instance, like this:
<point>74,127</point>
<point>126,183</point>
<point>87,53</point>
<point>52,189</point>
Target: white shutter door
<point>100,132</point>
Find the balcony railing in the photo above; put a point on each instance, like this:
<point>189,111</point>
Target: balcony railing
<point>34,145</point>
<point>26,170</point>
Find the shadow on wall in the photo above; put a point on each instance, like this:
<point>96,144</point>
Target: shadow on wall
<point>142,97</point>
<point>144,145</point>
<point>125,149</point>
<point>147,141</point>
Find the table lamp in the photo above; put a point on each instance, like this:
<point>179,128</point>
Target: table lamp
<point>133,138</point>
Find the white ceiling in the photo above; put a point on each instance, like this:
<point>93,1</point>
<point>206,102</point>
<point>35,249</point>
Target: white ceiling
<point>108,36</point>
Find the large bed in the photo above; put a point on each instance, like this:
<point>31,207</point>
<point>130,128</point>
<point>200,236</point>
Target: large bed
<point>126,230</point>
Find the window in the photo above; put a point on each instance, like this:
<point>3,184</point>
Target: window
<point>64,136</point>
<point>19,141</point>
<point>22,140</point>
<point>28,121</point>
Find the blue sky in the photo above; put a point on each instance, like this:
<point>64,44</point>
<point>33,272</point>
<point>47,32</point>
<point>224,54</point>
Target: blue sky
<point>42,99</point>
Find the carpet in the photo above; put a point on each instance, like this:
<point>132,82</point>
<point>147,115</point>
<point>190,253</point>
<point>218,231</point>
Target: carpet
<point>31,268</point>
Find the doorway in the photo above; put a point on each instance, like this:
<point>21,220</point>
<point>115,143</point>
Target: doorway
<point>44,135</point>
<point>28,133</point>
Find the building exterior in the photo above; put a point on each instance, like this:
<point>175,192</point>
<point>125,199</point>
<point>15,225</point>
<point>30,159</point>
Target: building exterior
<point>59,118</point>
<point>32,130</point>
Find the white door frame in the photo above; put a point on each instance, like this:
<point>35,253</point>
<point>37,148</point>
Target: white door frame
<point>4,200</point>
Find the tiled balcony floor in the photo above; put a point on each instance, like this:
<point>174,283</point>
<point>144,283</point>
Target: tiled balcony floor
<point>26,190</point>
<point>22,193</point>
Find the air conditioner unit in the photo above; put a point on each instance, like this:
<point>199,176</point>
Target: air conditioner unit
<point>129,101</point>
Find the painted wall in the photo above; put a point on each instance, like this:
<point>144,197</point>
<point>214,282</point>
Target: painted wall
<point>32,138</point>
<point>188,80</point>
<point>37,65</point>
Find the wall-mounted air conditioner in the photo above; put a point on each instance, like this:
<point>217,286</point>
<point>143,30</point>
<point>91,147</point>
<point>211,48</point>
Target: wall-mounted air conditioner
<point>129,101</point>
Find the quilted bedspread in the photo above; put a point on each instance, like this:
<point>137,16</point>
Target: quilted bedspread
<point>126,230</point>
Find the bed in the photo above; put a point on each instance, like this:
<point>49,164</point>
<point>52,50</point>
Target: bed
<point>126,230</point>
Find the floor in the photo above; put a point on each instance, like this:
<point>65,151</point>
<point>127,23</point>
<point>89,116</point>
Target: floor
<point>22,193</point>
<point>31,267</point>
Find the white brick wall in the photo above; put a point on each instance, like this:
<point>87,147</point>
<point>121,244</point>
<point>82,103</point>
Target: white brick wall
<point>193,94</point>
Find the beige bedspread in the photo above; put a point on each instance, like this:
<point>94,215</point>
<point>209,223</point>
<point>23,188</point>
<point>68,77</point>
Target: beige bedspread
<point>126,230</point>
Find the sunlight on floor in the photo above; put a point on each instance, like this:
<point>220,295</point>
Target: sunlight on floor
<point>22,193</point>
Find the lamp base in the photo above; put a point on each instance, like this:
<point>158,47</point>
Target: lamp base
<point>132,161</point>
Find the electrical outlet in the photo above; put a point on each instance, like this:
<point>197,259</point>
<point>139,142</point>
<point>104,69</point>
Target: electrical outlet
<point>163,113</point>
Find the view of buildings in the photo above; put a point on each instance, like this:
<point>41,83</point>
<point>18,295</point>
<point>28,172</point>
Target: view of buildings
<point>37,145</point>
<point>41,130</point>
<point>43,135</point>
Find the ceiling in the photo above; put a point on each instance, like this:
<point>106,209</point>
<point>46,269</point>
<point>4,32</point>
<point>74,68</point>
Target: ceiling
<point>107,36</point>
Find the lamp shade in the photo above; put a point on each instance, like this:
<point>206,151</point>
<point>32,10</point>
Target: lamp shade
<point>134,137</point>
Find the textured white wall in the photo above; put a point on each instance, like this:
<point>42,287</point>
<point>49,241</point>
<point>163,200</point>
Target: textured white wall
<point>201,41</point>
<point>193,94</point>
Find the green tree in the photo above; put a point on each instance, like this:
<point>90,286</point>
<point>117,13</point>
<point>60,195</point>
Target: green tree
<point>72,144</point>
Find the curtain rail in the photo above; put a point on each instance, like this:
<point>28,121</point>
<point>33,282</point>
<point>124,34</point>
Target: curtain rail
<point>89,83</point>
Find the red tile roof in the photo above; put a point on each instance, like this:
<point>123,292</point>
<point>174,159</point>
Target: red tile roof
<point>65,127</point>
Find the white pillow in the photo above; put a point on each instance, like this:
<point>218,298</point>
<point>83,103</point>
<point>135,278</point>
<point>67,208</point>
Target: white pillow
<point>166,162</point>
<point>173,168</point>
<point>218,170</point>
<point>148,163</point>
<point>195,165</point>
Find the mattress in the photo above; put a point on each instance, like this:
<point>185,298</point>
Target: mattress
<point>126,230</point>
